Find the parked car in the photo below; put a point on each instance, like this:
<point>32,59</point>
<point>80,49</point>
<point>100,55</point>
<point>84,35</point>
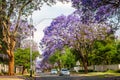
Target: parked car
<point>64,71</point>
<point>54,71</point>
<point>38,72</point>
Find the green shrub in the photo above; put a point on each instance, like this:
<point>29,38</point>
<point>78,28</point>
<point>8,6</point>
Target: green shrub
<point>118,71</point>
<point>90,70</point>
<point>81,71</point>
<point>110,71</point>
<point>1,74</point>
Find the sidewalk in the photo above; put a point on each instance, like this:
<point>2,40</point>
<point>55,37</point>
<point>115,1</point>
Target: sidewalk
<point>11,78</point>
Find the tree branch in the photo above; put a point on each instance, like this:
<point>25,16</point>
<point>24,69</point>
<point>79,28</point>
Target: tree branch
<point>5,28</point>
<point>21,9</point>
<point>11,8</point>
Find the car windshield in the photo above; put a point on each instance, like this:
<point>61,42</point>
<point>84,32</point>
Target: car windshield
<point>53,70</point>
<point>64,70</point>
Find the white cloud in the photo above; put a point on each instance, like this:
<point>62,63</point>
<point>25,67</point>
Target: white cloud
<point>52,12</point>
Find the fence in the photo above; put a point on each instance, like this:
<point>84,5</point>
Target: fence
<point>4,68</point>
<point>18,69</point>
<point>100,67</point>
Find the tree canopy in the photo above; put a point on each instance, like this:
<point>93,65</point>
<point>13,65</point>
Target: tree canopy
<point>22,58</point>
<point>98,9</point>
<point>72,32</point>
<point>63,58</point>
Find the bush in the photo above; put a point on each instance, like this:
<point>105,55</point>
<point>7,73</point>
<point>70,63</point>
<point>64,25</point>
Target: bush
<point>110,71</point>
<point>81,71</point>
<point>118,71</point>
<point>1,74</point>
<point>90,70</point>
<point>113,71</point>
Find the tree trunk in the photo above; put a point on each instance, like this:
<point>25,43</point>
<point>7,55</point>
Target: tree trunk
<point>84,60</point>
<point>0,47</point>
<point>11,64</point>
<point>23,70</point>
<point>59,65</point>
<point>85,65</point>
<point>10,53</point>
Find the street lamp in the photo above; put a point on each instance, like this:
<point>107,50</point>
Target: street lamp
<point>44,20</point>
<point>39,24</point>
<point>31,39</point>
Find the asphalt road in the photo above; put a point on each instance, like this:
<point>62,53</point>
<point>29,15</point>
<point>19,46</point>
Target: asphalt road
<point>47,76</point>
<point>56,77</point>
<point>74,78</point>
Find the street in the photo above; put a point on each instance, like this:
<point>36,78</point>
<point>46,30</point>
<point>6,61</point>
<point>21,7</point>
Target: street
<point>56,77</point>
<point>44,76</point>
<point>75,78</point>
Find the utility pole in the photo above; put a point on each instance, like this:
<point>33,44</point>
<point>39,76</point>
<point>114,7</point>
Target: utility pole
<point>31,39</point>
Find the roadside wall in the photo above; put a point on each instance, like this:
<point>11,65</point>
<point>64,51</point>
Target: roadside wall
<point>100,67</point>
<point>18,69</point>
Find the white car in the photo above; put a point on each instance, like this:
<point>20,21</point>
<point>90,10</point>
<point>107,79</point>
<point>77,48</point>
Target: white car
<point>54,71</point>
<point>64,71</point>
<point>38,71</point>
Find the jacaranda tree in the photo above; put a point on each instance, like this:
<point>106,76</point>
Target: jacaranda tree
<point>29,43</point>
<point>72,32</point>
<point>101,9</point>
<point>11,12</point>
<point>25,30</point>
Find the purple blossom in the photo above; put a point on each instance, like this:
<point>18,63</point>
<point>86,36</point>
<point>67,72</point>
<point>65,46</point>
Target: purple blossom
<point>74,34</point>
<point>101,10</point>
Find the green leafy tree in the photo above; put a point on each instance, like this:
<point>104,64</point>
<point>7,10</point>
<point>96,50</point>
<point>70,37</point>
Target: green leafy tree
<point>68,59</point>
<point>22,58</point>
<point>103,51</point>
<point>63,58</point>
<point>116,57</point>
<point>56,58</point>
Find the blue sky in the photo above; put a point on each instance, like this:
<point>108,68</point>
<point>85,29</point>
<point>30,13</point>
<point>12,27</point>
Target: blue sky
<point>43,18</point>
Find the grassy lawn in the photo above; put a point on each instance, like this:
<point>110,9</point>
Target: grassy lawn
<point>101,73</point>
<point>108,73</point>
